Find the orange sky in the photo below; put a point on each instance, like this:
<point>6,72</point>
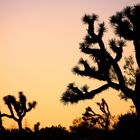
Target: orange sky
<point>39,45</point>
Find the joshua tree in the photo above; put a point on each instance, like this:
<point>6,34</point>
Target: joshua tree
<point>127,25</point>
<point>18,109</point>
<point>107,68</point>
<point>102,120</point>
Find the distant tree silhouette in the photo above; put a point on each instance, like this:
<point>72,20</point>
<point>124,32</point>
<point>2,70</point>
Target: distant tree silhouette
<point>18,109</point>
<point>127,126</point>
<point>84,130</point>
<point>81,127</point>
<point>106,66</point>
<point>103,120</point>
<point>54,132</point>
<point>36,127</point>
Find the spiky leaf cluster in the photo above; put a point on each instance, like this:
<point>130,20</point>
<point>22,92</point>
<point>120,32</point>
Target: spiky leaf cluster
<point>126,22</point>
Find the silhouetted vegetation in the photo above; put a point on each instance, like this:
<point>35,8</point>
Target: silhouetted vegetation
<point>81,129</point>
<point>102,120</point>
<point>105,68</point>
<point>127,127</point>
<point>18,109</point>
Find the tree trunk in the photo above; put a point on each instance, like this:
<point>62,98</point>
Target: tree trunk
<point>136,102</point>
<point>136,99</point>
<point>137,51</point>
<point>20,125</point>
<point>1,126</point>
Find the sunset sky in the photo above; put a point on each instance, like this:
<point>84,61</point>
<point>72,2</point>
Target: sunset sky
<point>39,45</point>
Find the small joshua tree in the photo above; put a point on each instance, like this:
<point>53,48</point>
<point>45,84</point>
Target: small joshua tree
<point>102,120</point>
<point>18,109</point>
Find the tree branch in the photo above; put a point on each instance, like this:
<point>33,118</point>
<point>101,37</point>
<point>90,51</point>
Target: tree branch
<point>88,71</point>
<point>9,116</point>
<point>74,94</point>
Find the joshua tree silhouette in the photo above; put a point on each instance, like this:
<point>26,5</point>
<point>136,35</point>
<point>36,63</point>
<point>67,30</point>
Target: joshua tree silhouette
<point>102,120</point>
<point>127,25</point>
<point>107,68</point>
<point>18,109</point>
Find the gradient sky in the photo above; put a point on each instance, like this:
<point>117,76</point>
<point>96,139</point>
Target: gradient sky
<point>39,45</point>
